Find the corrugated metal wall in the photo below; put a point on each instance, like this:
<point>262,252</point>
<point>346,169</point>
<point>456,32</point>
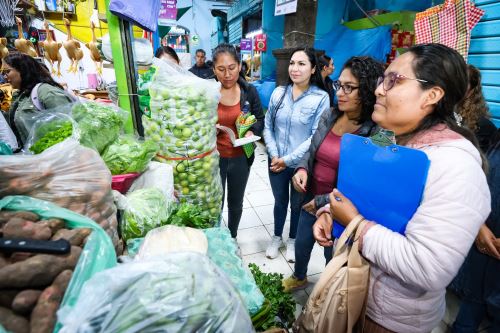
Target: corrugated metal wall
<point>484,53</point>
<point>235,16</point>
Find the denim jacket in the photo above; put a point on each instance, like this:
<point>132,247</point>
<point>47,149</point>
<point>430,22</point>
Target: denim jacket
<point>288,128</point>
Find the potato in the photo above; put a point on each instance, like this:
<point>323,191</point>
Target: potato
<point>12,322</point>
<point>4,261</point>
<point>25,301</point>
<point>20,228</point>
<point>74,236</point>
<point>54,224</point>
<point>6,215</point>
<point>20,256</point>
<point>7,296</point>
<point>43,316</point>
<point>38,271</point>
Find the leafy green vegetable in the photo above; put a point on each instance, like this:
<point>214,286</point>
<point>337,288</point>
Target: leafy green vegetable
<point>128,154</point>
<point>187,215</point>
<point>146,209</point>
<point>51,134</point>
<point>99,124</point>
<point>281,312</point>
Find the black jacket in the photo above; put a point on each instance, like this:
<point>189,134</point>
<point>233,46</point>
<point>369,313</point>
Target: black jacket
<point>326,122</point>
<point>205,72</point>
<point>249,94</point>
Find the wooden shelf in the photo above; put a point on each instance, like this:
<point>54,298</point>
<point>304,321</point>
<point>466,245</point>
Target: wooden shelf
<point>57,14</point>
<point>139,67</point>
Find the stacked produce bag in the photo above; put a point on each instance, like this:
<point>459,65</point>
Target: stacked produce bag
<point>179,292</point>
<point>68,174</point>
<point>35,285</point>
<point>182,121</point>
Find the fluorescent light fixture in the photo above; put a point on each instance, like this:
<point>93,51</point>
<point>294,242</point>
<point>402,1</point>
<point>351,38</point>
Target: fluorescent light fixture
<point>253,33</point>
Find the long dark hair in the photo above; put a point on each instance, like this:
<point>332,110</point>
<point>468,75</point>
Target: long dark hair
<point>231,50</point>
<point>367,70</point>
<point>167,50</point>
<point>225,48</point>
<point>316,78</point>
<point>444,67</point>
<point>324,61</point>
<point>473,107</point>
<point>32,72</point>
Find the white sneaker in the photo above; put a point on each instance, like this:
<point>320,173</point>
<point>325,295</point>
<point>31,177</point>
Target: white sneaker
<point>274,248</point>
<point>290,250</point>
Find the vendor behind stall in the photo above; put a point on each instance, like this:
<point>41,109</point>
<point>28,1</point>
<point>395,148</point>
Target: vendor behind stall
<point>24,73</point>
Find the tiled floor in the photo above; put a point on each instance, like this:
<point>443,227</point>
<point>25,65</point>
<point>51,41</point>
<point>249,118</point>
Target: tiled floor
<point>256,228</point>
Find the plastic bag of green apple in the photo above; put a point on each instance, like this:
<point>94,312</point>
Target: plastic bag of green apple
<point>183,111</point>
<point>197,181</point>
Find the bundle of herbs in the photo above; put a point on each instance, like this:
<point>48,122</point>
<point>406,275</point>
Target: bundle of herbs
<point>278,309</point>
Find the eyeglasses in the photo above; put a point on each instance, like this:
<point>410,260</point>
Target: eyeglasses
<point>390,79</point>
<point>346,88</point>
<point>5,71</point>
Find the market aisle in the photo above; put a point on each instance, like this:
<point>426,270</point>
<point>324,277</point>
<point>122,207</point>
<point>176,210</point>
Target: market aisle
<point>256,228</point>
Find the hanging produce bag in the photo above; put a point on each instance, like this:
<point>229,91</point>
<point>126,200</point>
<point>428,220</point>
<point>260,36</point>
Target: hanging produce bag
<point>97,255</point>
<point>182,121</point>
<point>67,174</point>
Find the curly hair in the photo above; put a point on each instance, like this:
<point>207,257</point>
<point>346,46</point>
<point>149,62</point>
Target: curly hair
<point>367,70</point>
<point>32,72</point>
<point>473,107</point>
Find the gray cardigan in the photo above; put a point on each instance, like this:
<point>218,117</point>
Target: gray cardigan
<point>326,122</point>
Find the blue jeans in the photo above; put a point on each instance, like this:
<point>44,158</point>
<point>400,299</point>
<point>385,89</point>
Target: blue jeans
<point>283,191</point>
<point>304,244</point>
<point>470,316</point>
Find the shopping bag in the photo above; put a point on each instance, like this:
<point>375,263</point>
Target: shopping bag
<point>338,300</point>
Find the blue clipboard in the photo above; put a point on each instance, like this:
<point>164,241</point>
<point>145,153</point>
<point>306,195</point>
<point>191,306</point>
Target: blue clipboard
<point>385,184</point>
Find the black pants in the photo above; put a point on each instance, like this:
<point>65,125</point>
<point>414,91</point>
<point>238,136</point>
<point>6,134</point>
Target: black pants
<point>235,170</point>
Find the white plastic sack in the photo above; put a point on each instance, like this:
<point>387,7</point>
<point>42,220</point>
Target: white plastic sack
<point>157,175</point>
<point>143,50</point>
<point>171,238</point>
<point>6,134</point>
<point>184,292</point>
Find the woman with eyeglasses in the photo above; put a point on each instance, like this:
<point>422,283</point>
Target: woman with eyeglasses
<point>416,99</point>
<point>316,173</point>
<point>292,118</point>
<point>25,73</point>
<point>236,95</point>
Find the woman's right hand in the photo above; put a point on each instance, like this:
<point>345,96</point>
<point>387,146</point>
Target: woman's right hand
<point>322,230</point>
<point>487,243</point>
<point>299,180</point>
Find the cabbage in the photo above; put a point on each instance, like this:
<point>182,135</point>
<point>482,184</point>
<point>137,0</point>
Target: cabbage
<point>146,209</point>
<point>99,124</point>
<point>128,154</point>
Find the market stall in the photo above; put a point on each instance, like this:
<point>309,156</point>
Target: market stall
<point>87,188</point>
